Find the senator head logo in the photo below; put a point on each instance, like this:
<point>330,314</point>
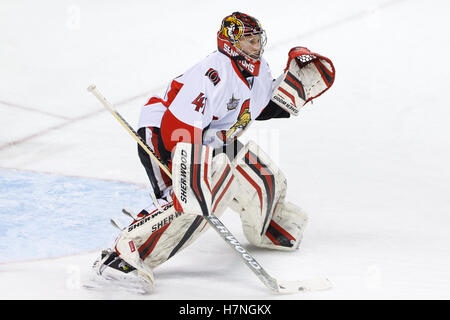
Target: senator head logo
<point>241,124</point>
<point>232,28</point>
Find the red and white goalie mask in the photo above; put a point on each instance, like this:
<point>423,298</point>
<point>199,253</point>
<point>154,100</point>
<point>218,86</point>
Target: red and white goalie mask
<point>242,38</point>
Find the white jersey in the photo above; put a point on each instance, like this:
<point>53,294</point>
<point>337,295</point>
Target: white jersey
<point>214,97</point>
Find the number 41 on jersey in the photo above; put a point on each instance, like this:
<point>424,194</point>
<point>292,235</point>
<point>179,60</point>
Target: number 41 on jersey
<point>199,103</point>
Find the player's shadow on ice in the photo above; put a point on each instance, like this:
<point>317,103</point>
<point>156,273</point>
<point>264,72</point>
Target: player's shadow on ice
<point>212,263</point>
<point>180,273</point>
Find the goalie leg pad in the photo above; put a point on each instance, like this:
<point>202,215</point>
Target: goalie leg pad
<point>159,235</point>
<point>201,185</point>
<point>267,220</point>
<point>191,178</point>
<point>224,184</point>
<point>285,230</point>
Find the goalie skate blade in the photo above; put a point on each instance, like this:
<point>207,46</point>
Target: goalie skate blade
<point>135,285</point>
<point>314,284</point>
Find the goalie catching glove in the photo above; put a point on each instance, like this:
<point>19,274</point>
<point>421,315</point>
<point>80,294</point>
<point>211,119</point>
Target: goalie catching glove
<point>307,75</point>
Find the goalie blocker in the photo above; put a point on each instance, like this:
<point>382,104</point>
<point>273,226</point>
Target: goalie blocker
<point>307,75</point>
<point>250,185</point>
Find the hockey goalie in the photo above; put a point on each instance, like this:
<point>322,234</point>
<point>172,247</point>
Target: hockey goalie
<point>194,129</point>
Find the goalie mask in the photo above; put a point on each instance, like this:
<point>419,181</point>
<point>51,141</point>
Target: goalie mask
<point>242,38</point>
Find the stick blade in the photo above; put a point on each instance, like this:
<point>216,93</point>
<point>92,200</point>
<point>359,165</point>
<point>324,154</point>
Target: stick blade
<point>314,284</point>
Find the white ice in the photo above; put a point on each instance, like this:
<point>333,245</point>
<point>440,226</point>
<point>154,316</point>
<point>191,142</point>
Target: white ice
<point>368,160</point>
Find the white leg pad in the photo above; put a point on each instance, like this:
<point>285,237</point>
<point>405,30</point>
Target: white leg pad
<point>158,236</point>
<point>267,220</point>
<point>285,230</point>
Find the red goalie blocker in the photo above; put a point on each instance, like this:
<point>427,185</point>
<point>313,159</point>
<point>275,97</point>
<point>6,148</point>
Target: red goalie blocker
<point>307,75</point>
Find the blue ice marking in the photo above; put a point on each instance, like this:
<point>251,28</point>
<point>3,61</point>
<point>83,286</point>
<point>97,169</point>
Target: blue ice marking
<point>49,215</point>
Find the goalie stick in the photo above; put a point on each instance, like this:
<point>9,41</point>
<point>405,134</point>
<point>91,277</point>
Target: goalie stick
<point>320,283</point>
<point>92,89</point>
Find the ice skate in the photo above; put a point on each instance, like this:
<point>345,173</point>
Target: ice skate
<point>112,271</point>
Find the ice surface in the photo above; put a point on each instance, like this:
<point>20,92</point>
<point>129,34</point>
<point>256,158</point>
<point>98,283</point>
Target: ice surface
<point>368,160</point>
<point>45,215</point>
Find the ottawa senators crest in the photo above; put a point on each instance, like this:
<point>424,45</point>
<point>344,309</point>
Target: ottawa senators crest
<point>232,28</point>
<point>243,120</point>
